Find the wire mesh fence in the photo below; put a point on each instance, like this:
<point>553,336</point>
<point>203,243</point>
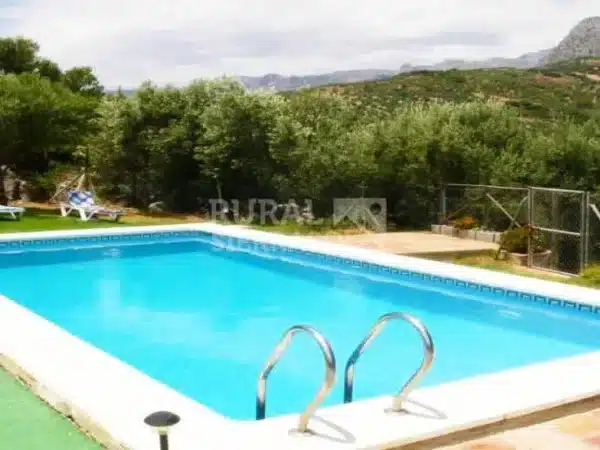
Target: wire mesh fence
<point>562,253</point>
<point>560,218</point>
<point>491,208</point>
<point>558,209</point>
<point>564,225</point>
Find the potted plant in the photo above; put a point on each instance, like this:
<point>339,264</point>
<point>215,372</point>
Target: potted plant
<point>514,246</point>
<point>465,227</point>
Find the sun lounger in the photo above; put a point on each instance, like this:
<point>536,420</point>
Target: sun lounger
<point>16,212</point>
<point>83,203</point>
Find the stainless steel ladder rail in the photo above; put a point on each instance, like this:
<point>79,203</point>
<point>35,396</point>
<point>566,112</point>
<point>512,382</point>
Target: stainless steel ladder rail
<point>325,388</point>
<point>429,352</point>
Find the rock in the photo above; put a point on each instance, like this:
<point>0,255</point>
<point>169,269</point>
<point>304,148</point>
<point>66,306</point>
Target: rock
<point>156,207</point>
<point>306,216</point>
<point>583,41</point>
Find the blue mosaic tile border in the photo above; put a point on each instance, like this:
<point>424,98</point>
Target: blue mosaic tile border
<point>29,244</point>
<point>241,244</point>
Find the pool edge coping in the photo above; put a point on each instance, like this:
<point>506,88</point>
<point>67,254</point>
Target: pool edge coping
<point>228,231</point>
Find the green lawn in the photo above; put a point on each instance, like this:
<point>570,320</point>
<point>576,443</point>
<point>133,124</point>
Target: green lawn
<point>27,423</point>
<point>47,220</point>
<point>489,262</point>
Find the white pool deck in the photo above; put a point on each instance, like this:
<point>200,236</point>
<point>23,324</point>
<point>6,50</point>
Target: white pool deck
<point>97,388</point>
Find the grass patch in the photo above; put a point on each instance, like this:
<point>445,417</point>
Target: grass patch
<point>489,262</point>
<point>45,219</point>
<point>27,423</point>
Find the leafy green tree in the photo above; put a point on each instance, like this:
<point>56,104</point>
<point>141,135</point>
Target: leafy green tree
<point>18,55</point>
<point>82,80</point>
<point>234,148</point>
<point>307,144</point>
<point>47,69</point>
<point>42,123</point>
<point>182,146</point>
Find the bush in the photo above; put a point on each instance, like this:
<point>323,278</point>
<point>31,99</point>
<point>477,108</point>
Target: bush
<point>41,186</point>
<point>590,276</point>
<point>517,240</point>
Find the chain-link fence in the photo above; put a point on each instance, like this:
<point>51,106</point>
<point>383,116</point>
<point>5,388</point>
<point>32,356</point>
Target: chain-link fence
<point>491,208</point>
<point>558,218</point>
<point>564,225</point>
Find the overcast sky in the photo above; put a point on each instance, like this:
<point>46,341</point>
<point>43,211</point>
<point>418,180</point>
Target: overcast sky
<point>128,41</point>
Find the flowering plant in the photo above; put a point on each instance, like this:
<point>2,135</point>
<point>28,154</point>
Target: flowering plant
<point>465,223</point>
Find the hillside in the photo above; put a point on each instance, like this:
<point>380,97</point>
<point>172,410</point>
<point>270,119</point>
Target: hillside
<point>566,88</point>
<point>277,82</point>
<point>537,82</point>
<point>583,41</point>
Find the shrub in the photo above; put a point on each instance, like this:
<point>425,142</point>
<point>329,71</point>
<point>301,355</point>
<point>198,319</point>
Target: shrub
<point>465,223</point>
<point>517,240</point>
<point>590,276</point>
<point>41,186</point>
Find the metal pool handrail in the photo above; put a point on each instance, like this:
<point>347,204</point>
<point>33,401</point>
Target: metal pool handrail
<point>429,353</point>
<point>274,359</point>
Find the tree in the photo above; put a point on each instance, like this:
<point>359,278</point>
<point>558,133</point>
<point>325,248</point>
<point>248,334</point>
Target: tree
<point>41,123</point>
<point>235,146</point>
<point>18,55</point>
<point>82,80</point>
<point>308,145</point>
<point>47,69</point>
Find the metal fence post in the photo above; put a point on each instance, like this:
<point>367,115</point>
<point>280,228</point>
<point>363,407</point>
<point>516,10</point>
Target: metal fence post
<point>442,213</point>
<point>585,230</point>
<point>531,225</point>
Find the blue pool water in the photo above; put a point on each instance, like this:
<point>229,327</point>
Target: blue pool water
<point>204,320</point>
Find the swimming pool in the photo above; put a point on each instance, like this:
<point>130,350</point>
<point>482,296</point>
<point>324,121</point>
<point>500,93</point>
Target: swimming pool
<point>202,317</point>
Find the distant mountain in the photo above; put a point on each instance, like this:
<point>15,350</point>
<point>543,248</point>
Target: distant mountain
<point>278,82</point>
<point>583,41</point>
<point>525,61</point>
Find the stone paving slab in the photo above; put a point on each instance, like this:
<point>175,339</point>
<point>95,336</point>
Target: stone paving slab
<point>416,243</point>
<point>575,432</point>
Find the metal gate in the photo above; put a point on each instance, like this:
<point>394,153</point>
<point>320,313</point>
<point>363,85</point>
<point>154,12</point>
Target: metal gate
<point>558,218</point>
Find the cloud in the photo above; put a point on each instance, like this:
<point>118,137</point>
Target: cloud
<point>128,41</point>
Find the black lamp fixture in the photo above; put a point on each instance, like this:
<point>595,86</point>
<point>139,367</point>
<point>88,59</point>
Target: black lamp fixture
<point>162,421</point>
